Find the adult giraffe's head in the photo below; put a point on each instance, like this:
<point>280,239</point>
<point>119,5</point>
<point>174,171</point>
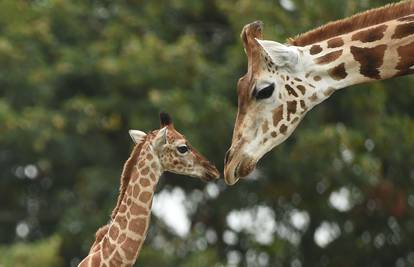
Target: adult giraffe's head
<point>284,82</point>
<point>273,97</point>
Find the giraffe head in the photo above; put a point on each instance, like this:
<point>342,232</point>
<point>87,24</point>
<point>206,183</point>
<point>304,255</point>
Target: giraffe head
<point>174,152</point>
<point>273,97</point>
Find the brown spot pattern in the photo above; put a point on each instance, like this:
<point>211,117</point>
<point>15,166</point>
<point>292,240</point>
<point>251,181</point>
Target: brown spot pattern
<point>403,30</point>
<point>283,129</point>
<point>96,260</point>
<point>370,59</point>
<point>113,232</point>
<point>122,208</point>
<point>137,209</point>
<point>277,115</point>
<point>338,72</point>
<point>145,171</point>
<point>273,134</point>
<point>328,58</point>
<point>137,189</point>
<point>122,221</point>
<point>335,42</point>
<point>144,182</point>
<point>137,225</point>
<point>406,54</point>
<point>313,97</point>
<point>145,196</point>
<point>290,90</point>
<point>130,247</point>
<point>291,108</point>
<point>302,89</point>
<point>315,49</point>
<point>370,35</point>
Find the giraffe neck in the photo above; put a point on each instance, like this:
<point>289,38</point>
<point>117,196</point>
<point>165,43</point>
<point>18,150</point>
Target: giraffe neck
<point>373,53</point>
<point>121,244</point>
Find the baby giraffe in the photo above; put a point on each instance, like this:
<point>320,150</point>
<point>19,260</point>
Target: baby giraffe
<point>119,242</point>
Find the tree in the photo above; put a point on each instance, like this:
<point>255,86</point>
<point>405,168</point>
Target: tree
<point>76,75</point>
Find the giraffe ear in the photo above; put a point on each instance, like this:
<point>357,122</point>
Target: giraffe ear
<point>137,136</point>
<point>161,138</point>
<point>281,55</point>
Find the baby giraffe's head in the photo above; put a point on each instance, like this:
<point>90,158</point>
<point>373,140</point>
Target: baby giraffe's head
<point>174,152</point>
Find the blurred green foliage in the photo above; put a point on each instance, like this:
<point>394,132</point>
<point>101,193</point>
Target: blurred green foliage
<point>76,75</point>
<point>36,254</point>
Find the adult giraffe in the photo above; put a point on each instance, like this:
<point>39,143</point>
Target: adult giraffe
<point>119,242</point>
<point>285,81</point>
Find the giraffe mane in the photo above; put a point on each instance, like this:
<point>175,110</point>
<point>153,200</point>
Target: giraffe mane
<point>126,174</point>
<point>355,22</point>
<point>100,233</point>
<point>125,178</point>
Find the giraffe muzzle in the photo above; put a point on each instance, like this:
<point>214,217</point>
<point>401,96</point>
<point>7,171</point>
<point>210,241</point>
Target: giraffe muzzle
<point>211,173</point>
<point>237,166</point>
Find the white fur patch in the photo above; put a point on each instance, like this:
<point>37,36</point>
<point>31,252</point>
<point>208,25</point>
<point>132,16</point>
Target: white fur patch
<point>279,53</point>
<point>137,136</point>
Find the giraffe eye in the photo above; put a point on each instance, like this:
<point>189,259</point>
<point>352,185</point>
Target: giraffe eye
<point>182,149</point>
<point>265,92</point>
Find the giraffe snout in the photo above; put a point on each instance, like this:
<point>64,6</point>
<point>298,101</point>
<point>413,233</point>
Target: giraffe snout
<point>211,173</point>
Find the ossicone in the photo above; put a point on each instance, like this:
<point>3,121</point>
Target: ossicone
<point>165,119</point>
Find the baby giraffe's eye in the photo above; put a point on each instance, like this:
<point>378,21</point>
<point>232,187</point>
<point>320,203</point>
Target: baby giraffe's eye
<point>182,149</point>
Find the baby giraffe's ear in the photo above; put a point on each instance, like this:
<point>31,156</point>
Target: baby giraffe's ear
<point>160,139</point>
<point>137,136</point>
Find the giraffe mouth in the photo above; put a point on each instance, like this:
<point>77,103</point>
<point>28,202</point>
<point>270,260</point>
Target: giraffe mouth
<point>245,167</point>
<point>237,163</point>
<point>211,173</point>
<point>236,170</point>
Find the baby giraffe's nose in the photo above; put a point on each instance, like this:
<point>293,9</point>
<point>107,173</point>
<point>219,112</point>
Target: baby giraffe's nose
<point>211,173</point>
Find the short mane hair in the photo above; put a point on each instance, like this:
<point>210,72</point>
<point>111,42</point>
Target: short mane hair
<point>358,21</point>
